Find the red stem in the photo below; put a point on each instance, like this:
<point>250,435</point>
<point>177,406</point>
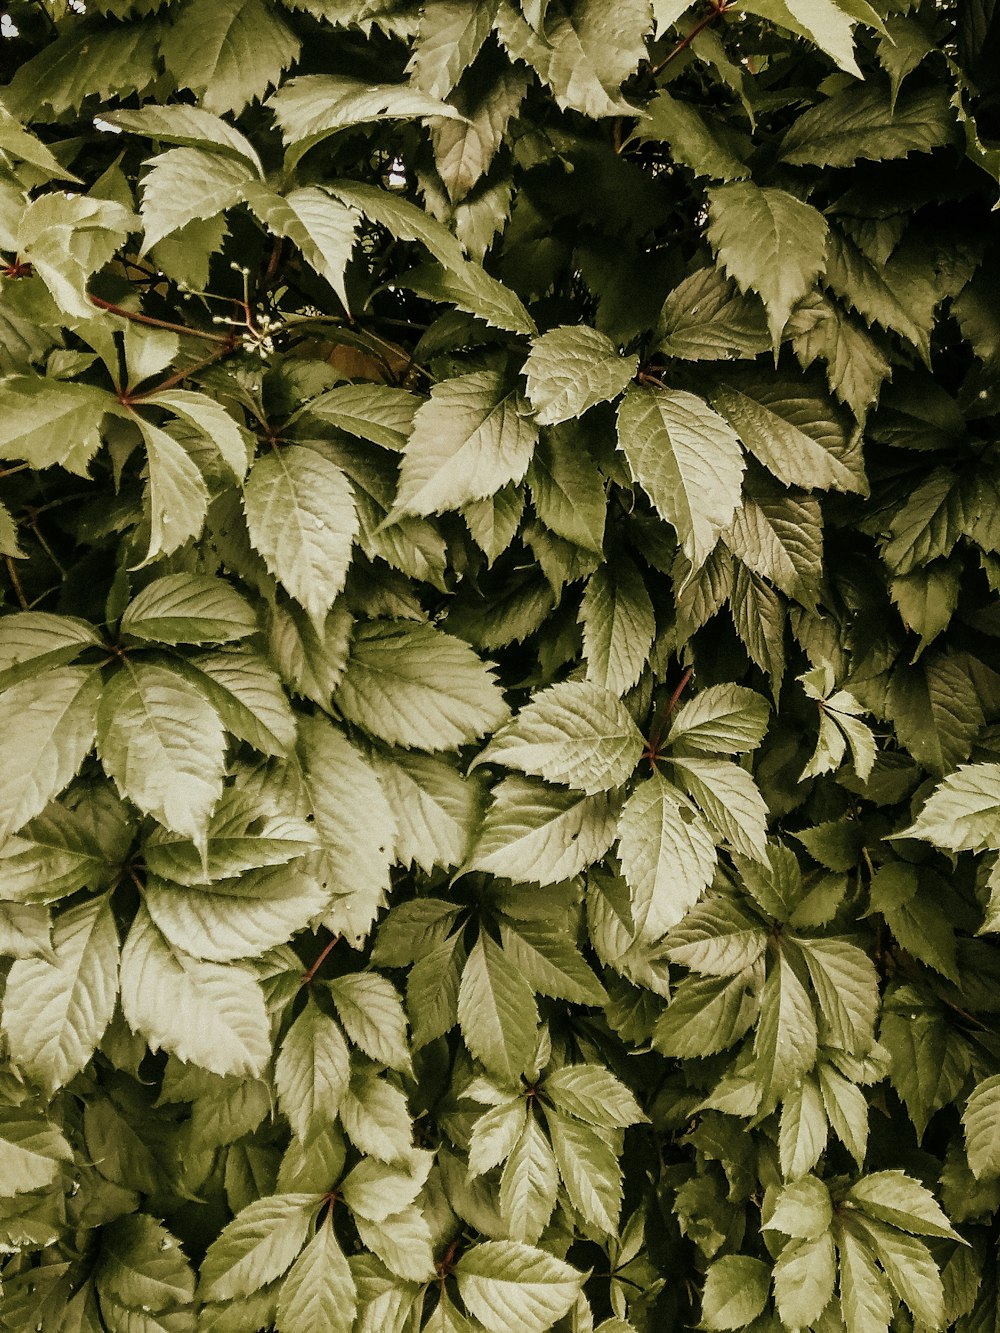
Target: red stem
<point>328,949</point>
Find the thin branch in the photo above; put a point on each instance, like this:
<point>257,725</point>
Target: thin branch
<point>138,318</point>
<point>308,976</point>
<point>179,376</point>
<point>15,580</point>
<point>719,7</point>
<point>656,731</point>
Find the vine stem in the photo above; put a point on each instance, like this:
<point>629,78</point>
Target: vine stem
<point>15,579</point>
<point>327,950</point>
<point>179,376</point>
<point>719,7</point>
<point>656,732</point>
<point>137,318</point>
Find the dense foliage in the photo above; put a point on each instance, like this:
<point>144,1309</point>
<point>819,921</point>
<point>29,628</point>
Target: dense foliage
<point>499,674</point>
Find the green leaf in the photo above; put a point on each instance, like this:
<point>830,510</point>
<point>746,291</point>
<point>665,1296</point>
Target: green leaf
<point>962,812</point>
<point>188,125</point>
<point>496,1011</point>
<point>576,733</point>
<point>707,318</point>
<point>589,1171</point>
<point>551,964</point>
<point>411,685</point>
<point>450,37</point>
<point>495,1135</point>
<point>141,1267</point>
<point>981,1121</point>
<point>911,1270</point>
<point>692,140</point>
<point>718,937</point>
<point>162,743</point>
<point>667,854</point>
<point>780,537</point>
<point>301,518</point>
<point>469,439</point>
<point>51,423</point>
<point>859,123</point>
<point>240,838</point>
<point>803,1210</point>
<point>212,422</point>
<point>846,986</point>
<point>436,809</point>
<point>567,490</point>
<point>313,106</point>
<point>902,1202</point>
<point>312,1071</point>
<point>618,625</point>
<point>56,1008</point>
<point>209,1014</point>
<point>688,461</point>
<point>373,1017</point>
<point>507,1284</point>
<point>47,728</point>
<point>176,495</point>
<point>235,918</point>
<point>804,1276</point>
<point>53,855</point>
<point>864,1292</point>
<point>319,1291</point>
<point>188,608</point>
<point>571,368</point>
<point>402,1241</point>
<point>373,412</point>
<point>529,1184</point>
<point>936,708</point>
<point>821,21</point>
<point>541,834</point>
<point>375,1115</point>
<point>324,229</point>
<point>770,242</point>
<point>802,1131</point>
<point>187,184</point>
<point>228,53</point>
<point>785,1047</point>
<point>247,695</point>
<point>730,800</point>
<point>593,1094</point>
<point>794,433</point>
<point>257,1246</point>
<point>727,719</point>
<point>736,1289</point>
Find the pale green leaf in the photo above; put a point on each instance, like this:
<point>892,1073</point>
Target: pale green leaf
<point>575,733</point>
<point>570,369</point>
<point>803,1210</point>
<point>56,1008</point>
<point>707,318</point>
<point>690,137</point>
<point>186,185</point>
<point>541,834</point>
<point>208,1014</point>
<point>372,1014</point>
<point>667,853</point>
<point>316,105</point>
<point>257,1246</point>
<point>736,1289</point>
<point>436,809</point>
<point>471,438</point>
<point>688,461</point>
<point>496,1011</point>
<point>162,742</point>
<point>727,719</point>
<point>593,1094</point>
<point>846,986</point>
<point>402,1241</point>
<point>550,963</point>
<point>372,412</point>
<point>247,695</point>
<point>529,1184</point>
<point>411,685</point>
<point>770,242</point>
<point>51,422</point>
<point>495,1135</point>
<point>911,1270</point>
<point>188,608</point>
<point>47,728</point>
<point>567,490</point>
<point>212,422</point>
<point>323,228</point>
<point>312,1071</point>
<point>301,518</point>
<point>228,51</point>
<point>376,1191</point>
<point>506,1284</point>
<point>176,496</point>
<point>785,1046</point>
<point>448,40</point>
<point>319,1291</point>
<point>963,812</point>
<point>729,799</point>
<point>618,625</point>
<point>187,125</point>
<point>858,123</point>
<point>902,1202</point>
<point>804,1276</point>
<point>589,1170</point>
<point>864,1291</point>
<point>981,1121</point>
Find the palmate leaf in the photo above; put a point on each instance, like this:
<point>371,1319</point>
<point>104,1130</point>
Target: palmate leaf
<point>961,814</point>
<point>187,185</point>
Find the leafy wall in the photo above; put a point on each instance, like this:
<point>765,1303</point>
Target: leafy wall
<point>499,673</point>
